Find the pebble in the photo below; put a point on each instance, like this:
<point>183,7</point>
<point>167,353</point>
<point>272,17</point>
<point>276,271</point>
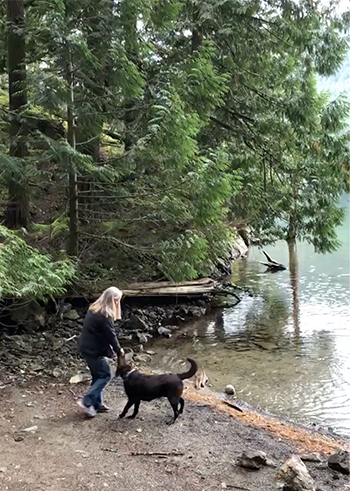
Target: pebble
<point>340,461</point>
<point>253,460</point>
<point>230,390</point>
<point>311,457</point>
<point>18,437</point>
<point>30,428</point>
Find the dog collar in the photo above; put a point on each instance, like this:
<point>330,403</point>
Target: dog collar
<point>133,370</point>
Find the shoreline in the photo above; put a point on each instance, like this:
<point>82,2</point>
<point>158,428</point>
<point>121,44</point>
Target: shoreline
<point>303,436</point>
<point>308,439</point>
<point>50,445</point>
<point>51,354</point>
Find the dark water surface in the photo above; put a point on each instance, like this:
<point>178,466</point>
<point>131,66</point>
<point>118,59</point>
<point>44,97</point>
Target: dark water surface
<point>287,349</point>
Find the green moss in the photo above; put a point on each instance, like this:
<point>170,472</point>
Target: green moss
<point>60,226</point>
<point>112,227</point>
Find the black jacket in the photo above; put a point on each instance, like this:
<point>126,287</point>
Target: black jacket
<point>98,337</point>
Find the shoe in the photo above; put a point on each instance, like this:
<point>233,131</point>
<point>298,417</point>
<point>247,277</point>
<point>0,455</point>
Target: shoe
<point>90,411</point>
<point>103,409</point>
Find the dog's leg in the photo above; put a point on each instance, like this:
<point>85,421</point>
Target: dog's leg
<point>182,403</point>
<point>136,410</point>
<point>174,404</point>
<point>126,409</point>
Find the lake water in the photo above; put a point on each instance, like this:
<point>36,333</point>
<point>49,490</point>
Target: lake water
<point>287,348</point>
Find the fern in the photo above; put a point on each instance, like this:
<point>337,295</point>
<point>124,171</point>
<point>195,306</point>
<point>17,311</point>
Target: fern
<point>24,272</point>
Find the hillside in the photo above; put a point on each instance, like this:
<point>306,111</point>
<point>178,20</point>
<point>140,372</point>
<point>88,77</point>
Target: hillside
<point>338,83</point>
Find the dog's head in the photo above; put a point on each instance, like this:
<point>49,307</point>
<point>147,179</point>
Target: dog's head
<point>125,364</point>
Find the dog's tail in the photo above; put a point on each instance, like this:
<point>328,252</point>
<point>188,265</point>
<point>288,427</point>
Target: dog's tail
<point>191,371</point>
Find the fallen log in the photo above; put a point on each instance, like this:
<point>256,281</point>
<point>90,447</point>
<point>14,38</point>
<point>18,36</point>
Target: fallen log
<point>195,287</point>
<point>271,264</point>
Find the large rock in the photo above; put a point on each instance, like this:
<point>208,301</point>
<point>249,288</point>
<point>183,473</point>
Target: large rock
<point>142,337</point>
<point>340,461</point>
<point>253,460</point>
<point>135,322</point>
<point>294,476</point>
<point>29,315</point>
<point>71,315</point>
<point>163,331</point>
<point>197,311</point>
<point>240,248</point>
<point>312,457</point>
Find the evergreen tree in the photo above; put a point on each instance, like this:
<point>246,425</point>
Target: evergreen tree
<point>174,120</point>
<point>17,213</point>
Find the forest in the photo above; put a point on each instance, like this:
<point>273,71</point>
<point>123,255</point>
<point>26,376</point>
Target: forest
<point>137,138</point>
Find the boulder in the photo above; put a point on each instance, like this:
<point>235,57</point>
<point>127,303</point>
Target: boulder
<point>253,460</point>
<point>240,248</point>
<point>197,311</point>
<point>135,322</point>
<point>163,331</point>
<point>29,315</point>
<point>71,315</point>
<point>66,307</point>
<point>294,476</point>
<point>143,338</point>
<point>340,461</point>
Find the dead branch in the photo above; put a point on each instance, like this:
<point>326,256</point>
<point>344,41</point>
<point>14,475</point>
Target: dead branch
<point>157,454</point>
<point>233,406</point>
<point>271,264</point>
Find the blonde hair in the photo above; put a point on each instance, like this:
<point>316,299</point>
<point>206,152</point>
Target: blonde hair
<point>108,304</point>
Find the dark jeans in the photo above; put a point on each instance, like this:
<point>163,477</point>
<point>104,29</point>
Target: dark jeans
<point>101,376</point>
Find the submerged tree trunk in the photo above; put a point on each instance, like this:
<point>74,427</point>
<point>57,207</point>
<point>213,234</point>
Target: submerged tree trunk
<point>294,282</point>
<point>17,213</point>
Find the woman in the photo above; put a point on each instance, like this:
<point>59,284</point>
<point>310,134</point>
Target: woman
<point>97,344</point>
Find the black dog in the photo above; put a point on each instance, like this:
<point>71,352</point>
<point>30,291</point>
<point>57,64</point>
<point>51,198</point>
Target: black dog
<point>140,387</point>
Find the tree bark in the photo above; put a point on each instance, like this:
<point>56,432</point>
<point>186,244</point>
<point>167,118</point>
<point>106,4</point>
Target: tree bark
<point>197,34</point>
<point>89,128</point>
<point>17,213</point>
<point>71,134</point>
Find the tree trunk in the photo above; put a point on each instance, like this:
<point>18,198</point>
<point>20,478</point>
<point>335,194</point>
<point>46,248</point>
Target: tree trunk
<point>128,13</point>
<point>89,128</point>
<point>197,35</point>
<point>73,189</point>
<point>294,282</point>
<point>17,213</point>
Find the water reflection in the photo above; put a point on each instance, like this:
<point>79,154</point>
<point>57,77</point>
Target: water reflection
<point>287,348</point>
<point>294,282</point>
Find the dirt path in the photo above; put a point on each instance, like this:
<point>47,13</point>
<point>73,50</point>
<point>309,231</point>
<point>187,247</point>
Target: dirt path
<point>67,452</point>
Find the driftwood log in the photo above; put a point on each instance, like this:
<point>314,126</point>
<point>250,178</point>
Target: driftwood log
<point>271,264</point>
<point>192,288</point>
<point>189,289</point>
